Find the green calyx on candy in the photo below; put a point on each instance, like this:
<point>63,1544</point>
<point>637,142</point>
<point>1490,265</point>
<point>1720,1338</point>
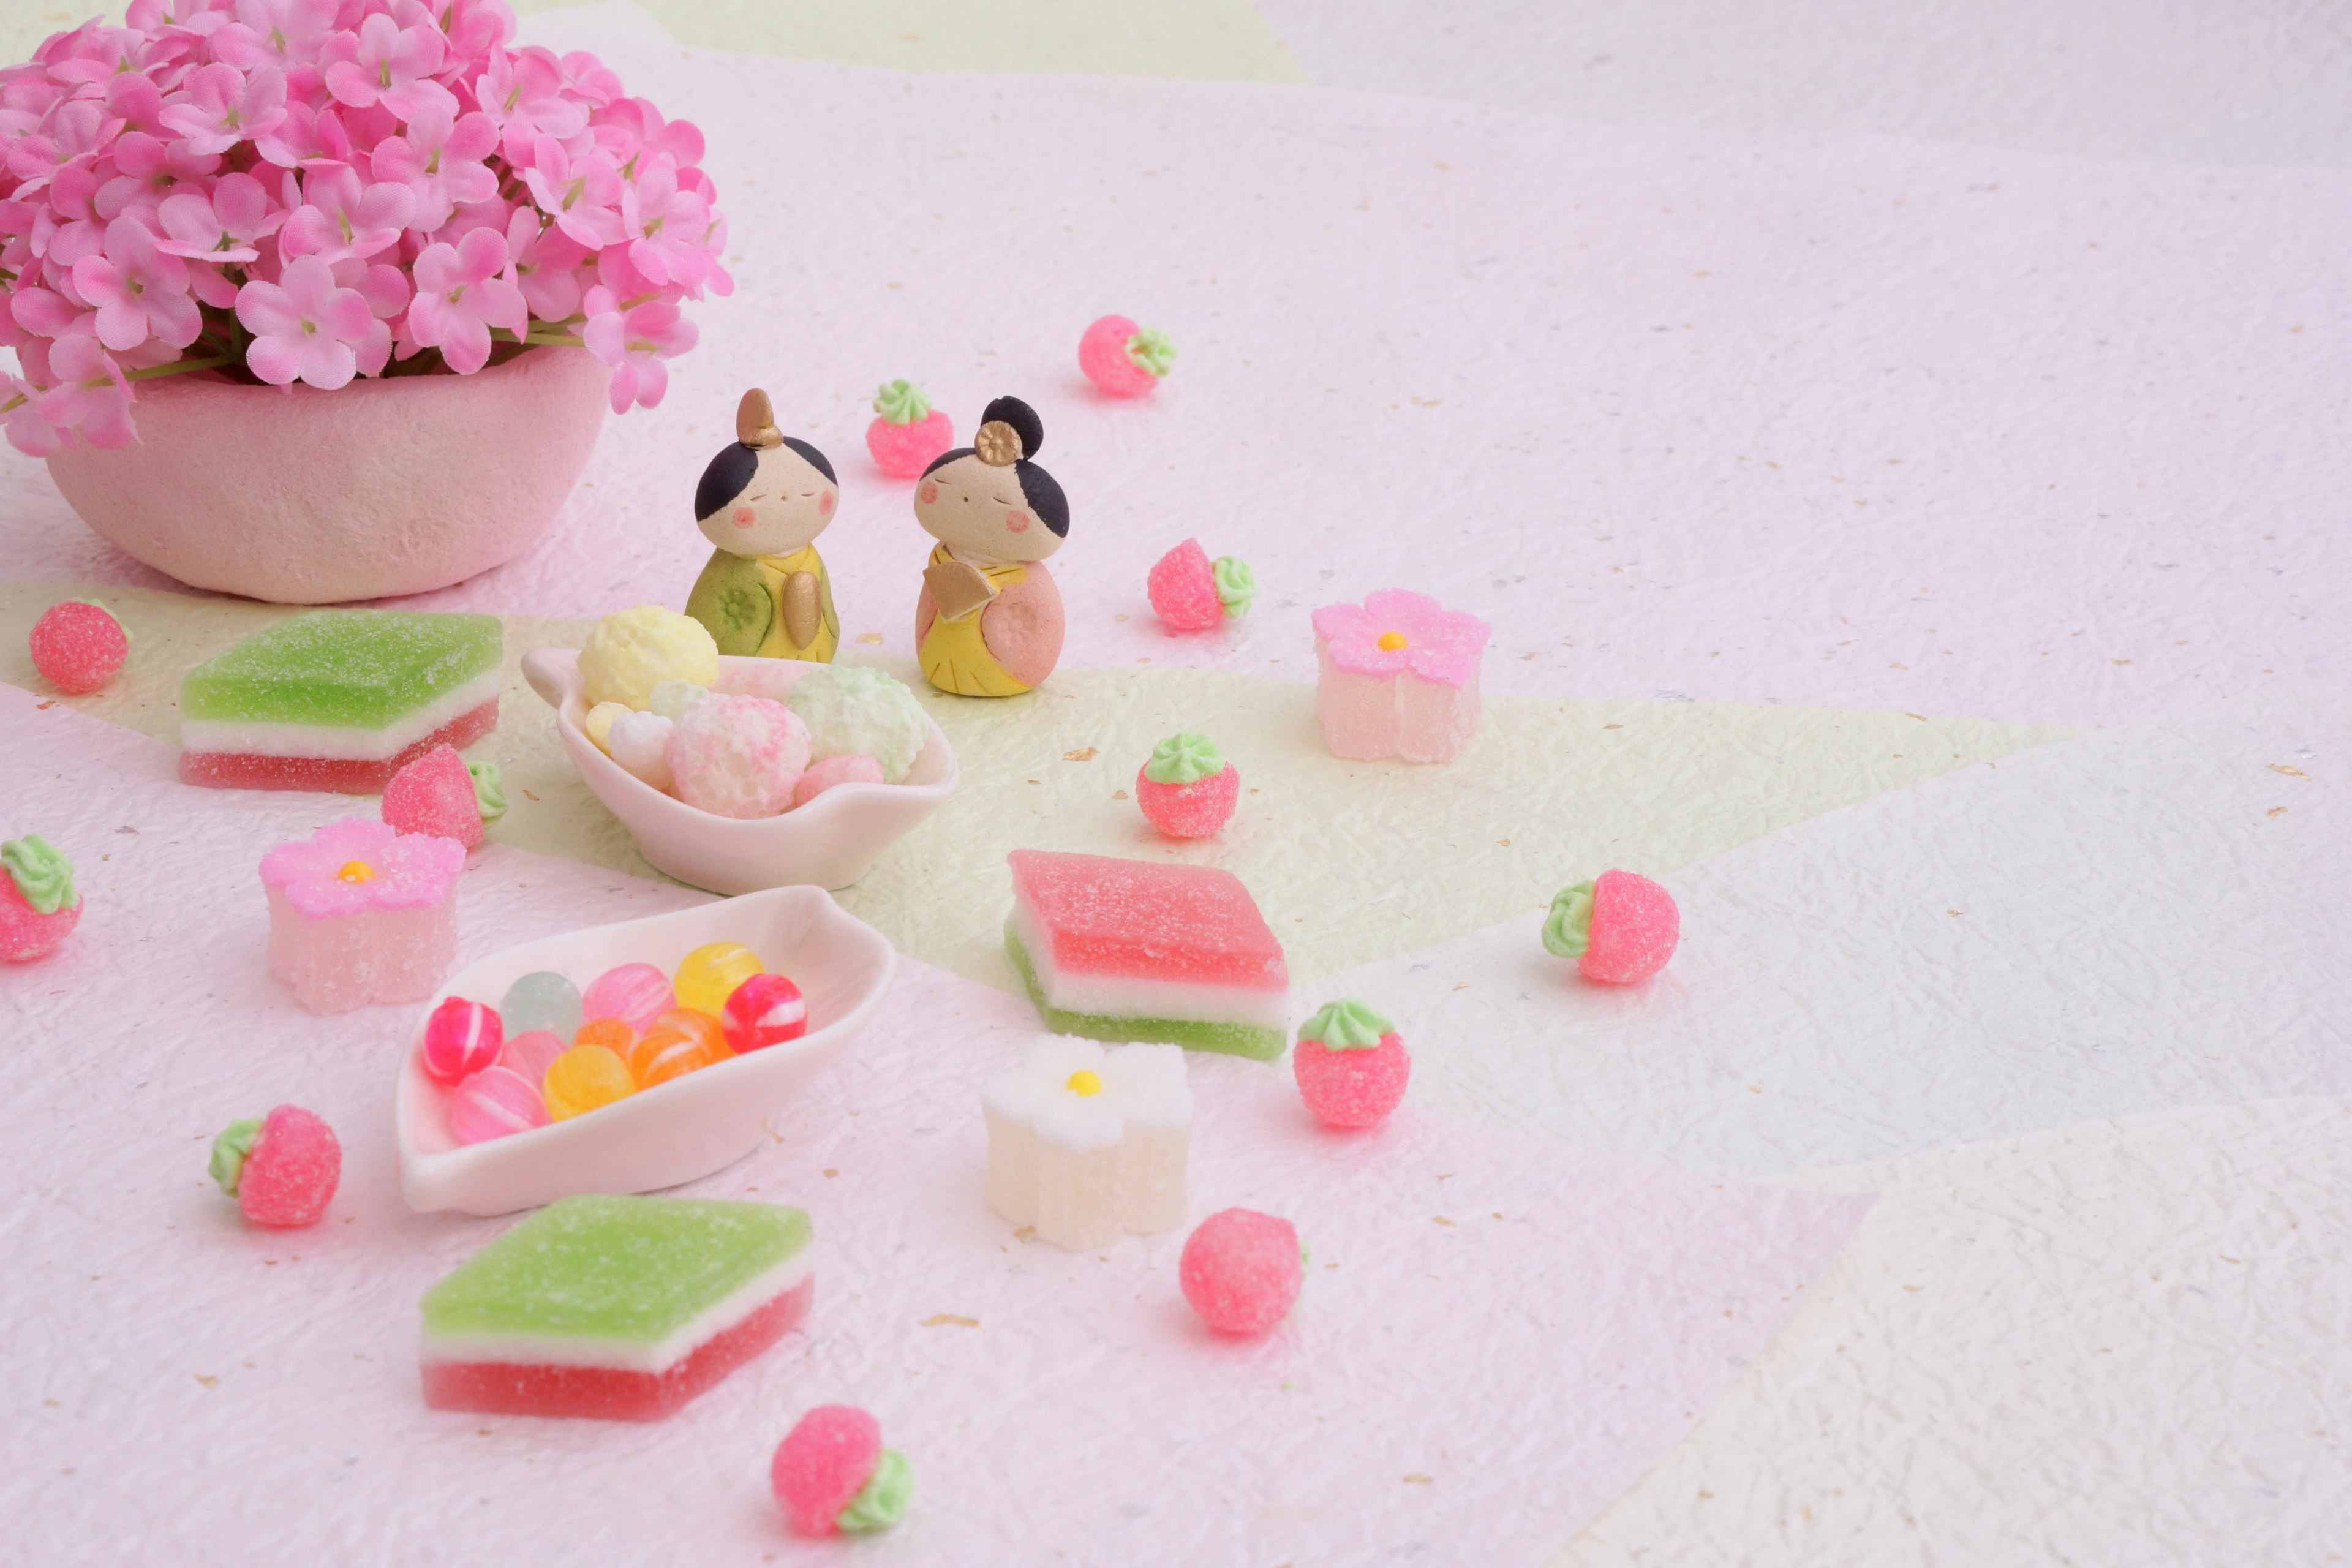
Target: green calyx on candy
<point>1152,350</point>
<point>883,1497</point>
<point>490,790</point>
<point>1184,759</point>
<point>1567,931</point>
<point>42,874</point>
<point>1237,584</point>
<point>1347,1024</point>
<point>232,1148</point>
<point>902,402</point>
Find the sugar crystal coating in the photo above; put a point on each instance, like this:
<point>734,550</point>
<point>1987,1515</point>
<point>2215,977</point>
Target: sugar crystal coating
<point>850,708</point>
<point>824,1462</point>
<point>1192,810</point>
<point>637,649</point>
<point>285,1173</point>
<point>38,905</point>
<point>360,914</point>
<point>1086,1144</point>
<point>848,767</point>
<point>77,646</point>
<point>436,794</point>
<point>1397,676</point>
<point>738,756</point>
<point>343,668</point>
<point>907,432</point>
<point>1108,354</point>
<point>1182,588</point>
<point>765,1010</point>
<point>1350,1076</point>
<point>1242,1270</point>
<point>1634,930</point>
<point>542,1000</point>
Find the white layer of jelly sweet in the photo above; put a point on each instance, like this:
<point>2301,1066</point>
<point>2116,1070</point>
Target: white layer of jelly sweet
<point>338,742</point>
<point>1124,996</point>
<point>618,1355</point>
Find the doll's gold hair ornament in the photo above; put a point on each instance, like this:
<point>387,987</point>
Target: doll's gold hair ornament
<point>755,422</point>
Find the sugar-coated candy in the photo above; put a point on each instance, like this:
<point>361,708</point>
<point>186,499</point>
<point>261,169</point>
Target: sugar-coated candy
<point>39,905</point>
<point>541,1000</point>
<point>1191,593</point>
<point>738,756</point>
<point>529,1055</point>
<point>461,1039</point>
<point>1123,359</point>
<point>362,914</point>
<point>640,744</point>
<point>436,794</point>
<point>831,1474</point>
<point>1086,1144</point>
<point>851,709</point>
<point>282,1169</point>
<point>338,699</point>
<point>77,646</point>
<point>708,975</point>
<point>1350,1065</point>
<point>635,650</point>
<point>582,1080</point>
<point>1139,950</point>
<point>495,1103</point>
<point>681,1041</point>
<point>1187,789</point>
<point>598,724</point>
<point>1242,1270</point>
<point>827,772</point>
<point>490,790</point>
<point>765,1010</point>
<point>614,1033</point>
<point>1620,927</point>
<point>907,432</point>
<point>635,993</point>
<point>672,698</point>
<point>1397,676</point>
<point>619,1307</point>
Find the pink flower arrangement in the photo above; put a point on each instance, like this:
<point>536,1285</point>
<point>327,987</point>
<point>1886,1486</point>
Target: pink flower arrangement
<point>313,190</point>
<point>1396,631</point>
<point>357,865</point>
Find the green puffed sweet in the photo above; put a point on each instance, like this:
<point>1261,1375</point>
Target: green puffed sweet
<point>850,708</point>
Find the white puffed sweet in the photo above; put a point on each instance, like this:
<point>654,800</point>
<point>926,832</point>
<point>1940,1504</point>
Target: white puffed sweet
<point>1088,1144</point>
<point>850,708</point>
<point>640,743</point>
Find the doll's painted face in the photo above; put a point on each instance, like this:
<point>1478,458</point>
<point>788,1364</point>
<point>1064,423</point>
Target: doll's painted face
<point>783,504</point>
<point>978,509</point>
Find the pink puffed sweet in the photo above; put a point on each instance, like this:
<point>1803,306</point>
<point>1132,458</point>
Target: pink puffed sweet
<point>1183,590</point>
<point>283,1170</point>
<point>848,767</point>
<point>434,794</point>
<point>738,756</point>
<point>495,1103</point>
<point>635,993</point>
<point>461,1039</point>
<point>1242,1270</point>
<point>78,647</point>
<point>824,1462</point>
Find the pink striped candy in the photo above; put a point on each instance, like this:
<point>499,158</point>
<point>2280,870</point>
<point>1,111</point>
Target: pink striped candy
<point>764,1010</point>
<point>461,1039</point>
<point>635,993</point>
<point>493,1103</point>
<point>527,1055</point>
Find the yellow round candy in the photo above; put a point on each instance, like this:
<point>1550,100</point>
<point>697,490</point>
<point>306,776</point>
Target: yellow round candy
<point>708,975</point>
<point>583,1078</point>
<point>635,651</point>
<point>1084,1083</point>
<point>598,725</point>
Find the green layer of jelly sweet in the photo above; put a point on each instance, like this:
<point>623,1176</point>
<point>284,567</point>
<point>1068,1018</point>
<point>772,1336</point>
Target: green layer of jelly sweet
<point>362,668</point>
<point>613,1268</point>
<point>1250,1040</point>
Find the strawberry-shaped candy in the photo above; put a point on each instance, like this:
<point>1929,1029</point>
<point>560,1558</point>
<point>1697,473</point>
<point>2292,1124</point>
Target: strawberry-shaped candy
<point>1194,593</point>
<point>282,1169</point>
<point>1123,359</point>
<point>436,794</point>
<point>1620,927</point>
<point>78,647</point>
<point>1351,1068</point>
<point>907,432</point>
<point>831,1474</point>
<point>1241,1270</point>
<point>1188,789</point>
<point>38,905</point>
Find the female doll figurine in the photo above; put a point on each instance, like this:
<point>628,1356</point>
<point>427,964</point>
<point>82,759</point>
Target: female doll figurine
<point>988,621</point>
<point>762,501</point>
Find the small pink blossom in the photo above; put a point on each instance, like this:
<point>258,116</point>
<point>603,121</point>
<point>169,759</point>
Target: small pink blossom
<point>341,216</point>
<point>546,262</point>
<point>523,92</point>
<point>20,416</point>
<point>386,62</point>
<point>138,290</point>
<point>359,865</point>
<point>1395,630</point>
<point>223,227</point>
<point>634,342</point>
<point>306,136</point>
<point>666,228</point>
<point>440,160</point>
<point>304,327</point>
<point>460,296</point>
<point>220,106</point>
<point>581,194</point>
<point>285,32</point>
<point>87,393</point>
<point>149,171</point>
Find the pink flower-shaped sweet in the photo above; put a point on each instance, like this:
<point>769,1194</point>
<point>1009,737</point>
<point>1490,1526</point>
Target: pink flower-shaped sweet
<point>583,195</point>
<point>223,227</point>
<point>388,64</point>
<point>219,106</point>
<point>460,296</point>
<point>440,160</point>
<point>359,865</point>
<point>634,342</point>
<point>1396,630</point>
<point>305,327</point>
<point>339,217</point>
<point>137,290</point>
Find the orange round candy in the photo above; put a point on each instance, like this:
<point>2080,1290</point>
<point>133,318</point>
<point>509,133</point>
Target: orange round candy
<point>680,1041</point>
<point>612,1033</point>
<point>583,1079</point>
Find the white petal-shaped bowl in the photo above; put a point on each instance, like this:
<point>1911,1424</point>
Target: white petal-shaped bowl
<point>828,843</point>
<point>674,1131</point>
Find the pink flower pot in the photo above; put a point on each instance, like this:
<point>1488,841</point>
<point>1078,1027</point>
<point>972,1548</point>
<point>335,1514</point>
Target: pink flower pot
<point>382,488</point>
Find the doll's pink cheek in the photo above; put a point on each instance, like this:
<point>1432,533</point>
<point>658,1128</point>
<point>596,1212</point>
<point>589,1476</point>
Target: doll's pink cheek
<point>745,517</point>
<point>824,504</point>
<point>928,494</point>
<point>1018,522</point>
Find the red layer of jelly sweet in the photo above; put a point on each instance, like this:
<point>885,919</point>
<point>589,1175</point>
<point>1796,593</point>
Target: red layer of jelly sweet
<point>340,775</point>
<point>1144,920</point>
<point>515,1388</point>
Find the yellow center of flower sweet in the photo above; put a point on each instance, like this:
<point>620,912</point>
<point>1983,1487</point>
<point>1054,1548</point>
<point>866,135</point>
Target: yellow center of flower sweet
<point>1391,641</point>
<point>1083,1083</point>
<point>356,871</point>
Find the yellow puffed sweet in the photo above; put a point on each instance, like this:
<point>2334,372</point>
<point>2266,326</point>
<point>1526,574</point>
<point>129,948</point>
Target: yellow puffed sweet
<point>632,652</point>
<point>600,721</point>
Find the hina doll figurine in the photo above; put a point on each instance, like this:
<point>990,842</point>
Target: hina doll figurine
<point>762,501</point>
<point>988,621</point>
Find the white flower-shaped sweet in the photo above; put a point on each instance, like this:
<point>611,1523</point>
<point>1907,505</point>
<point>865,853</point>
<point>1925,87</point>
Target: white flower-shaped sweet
<point>1086,1144</point>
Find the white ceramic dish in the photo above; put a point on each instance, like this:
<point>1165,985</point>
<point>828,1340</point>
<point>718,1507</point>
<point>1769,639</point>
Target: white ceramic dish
<point>675,1131</point>
<point>828,843</point>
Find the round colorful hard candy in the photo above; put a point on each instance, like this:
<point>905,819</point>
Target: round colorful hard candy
<point>542,1000</point>
<point>680,1041</point>
<point>765,1010</point>
<point>461,1039</point>
<point>584,1079</point>
<point>496,1102</point>
<point>708,975</point>
<point>78,647</point>
<point>635,993</point>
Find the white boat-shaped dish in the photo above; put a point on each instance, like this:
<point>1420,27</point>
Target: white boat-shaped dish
<point>674,1131</point>
<point>828,843</point>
